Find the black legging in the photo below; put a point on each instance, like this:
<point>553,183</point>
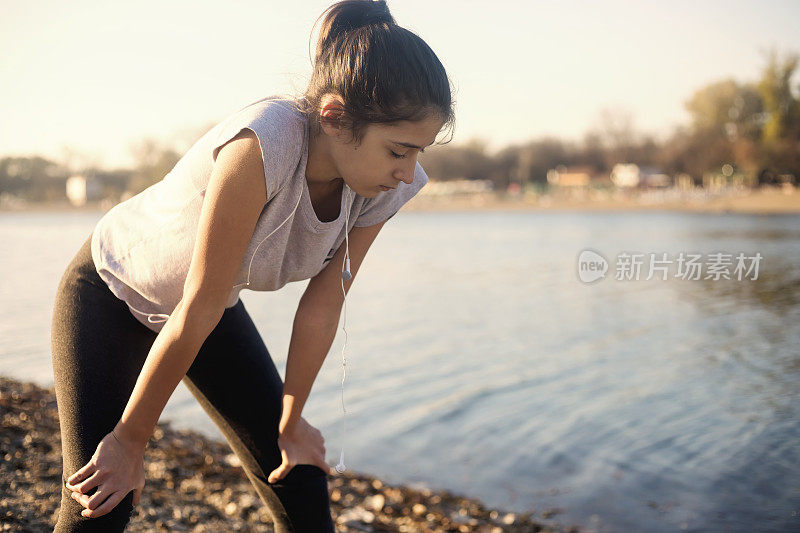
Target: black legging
<point>99,349</point>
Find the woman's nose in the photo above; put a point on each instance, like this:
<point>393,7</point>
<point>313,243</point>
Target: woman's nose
<point>406,175</point>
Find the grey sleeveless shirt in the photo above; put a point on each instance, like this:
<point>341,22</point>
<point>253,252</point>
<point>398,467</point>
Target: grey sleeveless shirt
<point>143,246</point>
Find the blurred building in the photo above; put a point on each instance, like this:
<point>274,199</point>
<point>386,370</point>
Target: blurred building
<point>82,189</point>
<point>629,175</point>
<point>574,176</point>
<point>654,178</point>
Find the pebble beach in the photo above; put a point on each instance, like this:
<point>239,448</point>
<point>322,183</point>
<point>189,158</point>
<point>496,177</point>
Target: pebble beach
<point>194,483</point>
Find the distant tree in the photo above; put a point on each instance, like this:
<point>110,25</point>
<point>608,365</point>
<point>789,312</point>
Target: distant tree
<point>539,156</point>
<point>154,160</point>
<point>464,161</point>
<point>746,155</point>
<point>78,161</point>
<point>614,130</point>
<point>594,153</point>
<point>781,105</point>
<point>670,156</point>
<point>694,152</point>
<point>505,167</point>
<point>728,109</point>
<point>614,139</point>
<point>114,182</point>
<point>33,178</point>
<point>781,156</point>
<point>645,151</point>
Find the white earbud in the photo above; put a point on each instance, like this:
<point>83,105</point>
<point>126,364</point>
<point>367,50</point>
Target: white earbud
<point>346,272</point>
<point>340,467</point>
<point>346,276</point>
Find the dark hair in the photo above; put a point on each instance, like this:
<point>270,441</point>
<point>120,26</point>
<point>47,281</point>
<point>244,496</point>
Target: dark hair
<point>383,73</point>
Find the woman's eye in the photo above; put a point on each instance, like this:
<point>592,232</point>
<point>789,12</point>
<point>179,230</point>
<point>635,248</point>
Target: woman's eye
<point>397,156</point>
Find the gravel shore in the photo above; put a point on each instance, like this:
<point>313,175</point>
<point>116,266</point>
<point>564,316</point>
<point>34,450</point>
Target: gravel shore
<point>196,484</point>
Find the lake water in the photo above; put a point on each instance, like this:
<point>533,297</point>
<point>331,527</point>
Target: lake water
<point>479,362</point>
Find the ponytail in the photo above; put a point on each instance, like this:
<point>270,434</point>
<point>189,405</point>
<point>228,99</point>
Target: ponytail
<point>345,17</point>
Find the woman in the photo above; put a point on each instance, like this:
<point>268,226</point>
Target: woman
<point>283,190</point>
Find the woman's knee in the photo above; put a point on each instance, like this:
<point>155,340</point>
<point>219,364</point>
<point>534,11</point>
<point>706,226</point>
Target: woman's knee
<point>305,497</point>
<point>304,475</point>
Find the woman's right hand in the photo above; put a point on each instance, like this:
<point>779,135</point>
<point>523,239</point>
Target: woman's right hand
<point>116,468</point>
<point>303,445</point>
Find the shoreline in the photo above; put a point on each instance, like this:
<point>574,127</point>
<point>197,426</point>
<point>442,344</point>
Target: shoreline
<point>194,483</point>
<point>762,201</point>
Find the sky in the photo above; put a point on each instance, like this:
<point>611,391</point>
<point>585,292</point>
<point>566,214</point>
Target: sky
<point>94,78</point>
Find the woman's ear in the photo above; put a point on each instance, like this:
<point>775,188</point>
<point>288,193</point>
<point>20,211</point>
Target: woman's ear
<point>331,111</point>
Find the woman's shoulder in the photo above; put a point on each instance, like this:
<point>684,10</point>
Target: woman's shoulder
<point>281,119</point>
<point>280,127</point>
<point>276,114</point>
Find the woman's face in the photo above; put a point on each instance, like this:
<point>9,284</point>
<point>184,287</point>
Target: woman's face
<point>386,155</point>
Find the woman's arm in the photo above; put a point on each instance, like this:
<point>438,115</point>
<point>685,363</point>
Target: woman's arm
<point>316,321</point>
<point>234,198</point>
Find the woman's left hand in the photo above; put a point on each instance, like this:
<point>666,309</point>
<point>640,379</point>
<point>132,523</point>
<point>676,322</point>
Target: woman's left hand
<point>303,445</point>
